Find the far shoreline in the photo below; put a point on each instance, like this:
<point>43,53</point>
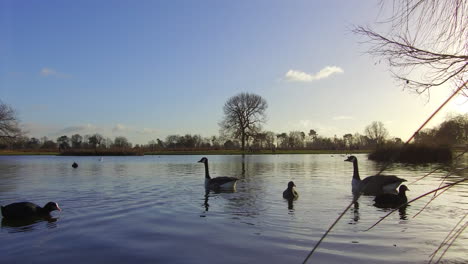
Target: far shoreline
<point>177,152</point>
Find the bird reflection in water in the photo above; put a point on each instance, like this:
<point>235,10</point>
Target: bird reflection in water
<point>27,224</point>
<point>402,212</point>
<point>291,204</point>
<point>355,211</point>
<point>206,204</point>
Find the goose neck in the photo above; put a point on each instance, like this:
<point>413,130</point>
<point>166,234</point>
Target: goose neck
<point>356,170</point>
<point>207,171</point>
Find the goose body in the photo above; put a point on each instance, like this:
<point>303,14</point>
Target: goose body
<point>24,210</point>
<point>290,193</point>
<point>372,185</point>
<point>218,183</point>
<point>389,200</point>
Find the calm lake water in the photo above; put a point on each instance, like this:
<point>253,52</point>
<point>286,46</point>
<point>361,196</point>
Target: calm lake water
<point>153,209</point>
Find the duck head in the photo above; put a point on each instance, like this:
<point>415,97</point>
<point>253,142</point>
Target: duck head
<point>52,206</point>
<point>403,188</point>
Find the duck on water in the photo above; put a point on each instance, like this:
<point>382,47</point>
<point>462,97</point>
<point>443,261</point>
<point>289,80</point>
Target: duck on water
<point>24,210</point>
<point>372,185</point>
<point>218,183</point>
<point>389,200</point>
<point>290,193</point>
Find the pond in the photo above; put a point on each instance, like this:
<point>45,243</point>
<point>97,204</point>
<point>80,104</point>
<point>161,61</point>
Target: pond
<point>154,209</point>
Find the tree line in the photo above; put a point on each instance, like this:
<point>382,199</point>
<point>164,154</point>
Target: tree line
<point>241,129</point>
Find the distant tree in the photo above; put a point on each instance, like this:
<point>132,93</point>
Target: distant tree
<point>270,139</point>
<point>453,131</point>
<point>229,144</point>
<point>376,132</point>
<point>243,116</point>
<point>33,143</point>
<point>9,127</point>
<point>348,140</point>
<point>312,134</point>
<point>296,139</point>
<point>76,141</point>
<point>426,44</point>
<point>282,140</point>
<point>63,142</point>
<point>121,142</point>
<point>48,144</point>
<point>95,140</point>
<point>160,143</point>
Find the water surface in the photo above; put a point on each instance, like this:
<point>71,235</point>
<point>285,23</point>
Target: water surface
<point>154,209</point>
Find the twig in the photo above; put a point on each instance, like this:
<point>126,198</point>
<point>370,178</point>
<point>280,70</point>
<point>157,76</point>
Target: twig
<point>438,194</point>
<point>328,230</point>
<point>447,238</point>
<point>456,235</point>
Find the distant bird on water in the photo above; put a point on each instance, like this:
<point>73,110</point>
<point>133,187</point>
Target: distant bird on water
<point>75,165</point>
<point>389,200</point>
<point>290,193</point>
<point>218,183</point>
<point>24,210</point>
<point>372,185</point>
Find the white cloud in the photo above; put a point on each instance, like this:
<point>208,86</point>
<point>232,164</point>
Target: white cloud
<point>78,129</point>
<point>46,72</point>
<point>300,76</point>
<point>147,131</point>
<point>120,128</point>
<point>343,118</point>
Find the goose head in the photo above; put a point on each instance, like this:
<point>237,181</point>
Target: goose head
<point>203,160</point>
<point>351,159</point>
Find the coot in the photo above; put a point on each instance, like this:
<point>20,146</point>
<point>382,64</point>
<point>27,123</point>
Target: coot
<point>27,210</point>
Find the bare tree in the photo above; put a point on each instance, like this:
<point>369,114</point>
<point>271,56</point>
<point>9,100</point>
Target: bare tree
<point>426,45</point>
<point>376,132</point>
<point>9,127</point>
<point>76,140</point>
<point>95,140</point>
<point>243,115</point>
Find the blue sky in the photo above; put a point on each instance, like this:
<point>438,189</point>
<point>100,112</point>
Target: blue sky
<point>147,69</point>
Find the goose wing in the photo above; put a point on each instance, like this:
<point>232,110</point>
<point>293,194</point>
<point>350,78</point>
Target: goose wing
<point>375,184</point>
<point>222,180</point>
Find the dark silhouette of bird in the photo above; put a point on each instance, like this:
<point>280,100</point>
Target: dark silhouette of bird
<point>389,200</point>
<point>218,183</point>
<point>23,210</point>
<point>372,185</point>
<point>290,193</point>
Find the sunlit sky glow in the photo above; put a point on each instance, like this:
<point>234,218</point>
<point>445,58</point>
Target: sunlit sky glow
<point>147,69</point>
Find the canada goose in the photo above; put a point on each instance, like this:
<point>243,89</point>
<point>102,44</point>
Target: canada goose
<point>389,200</point>
<point>218,183</point>
<point>75,165</point>
<point>373,185</point>
<point>290,193</point>
<point>23,210</point>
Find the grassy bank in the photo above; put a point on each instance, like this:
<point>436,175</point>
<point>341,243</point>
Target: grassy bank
<point>27,152</point>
